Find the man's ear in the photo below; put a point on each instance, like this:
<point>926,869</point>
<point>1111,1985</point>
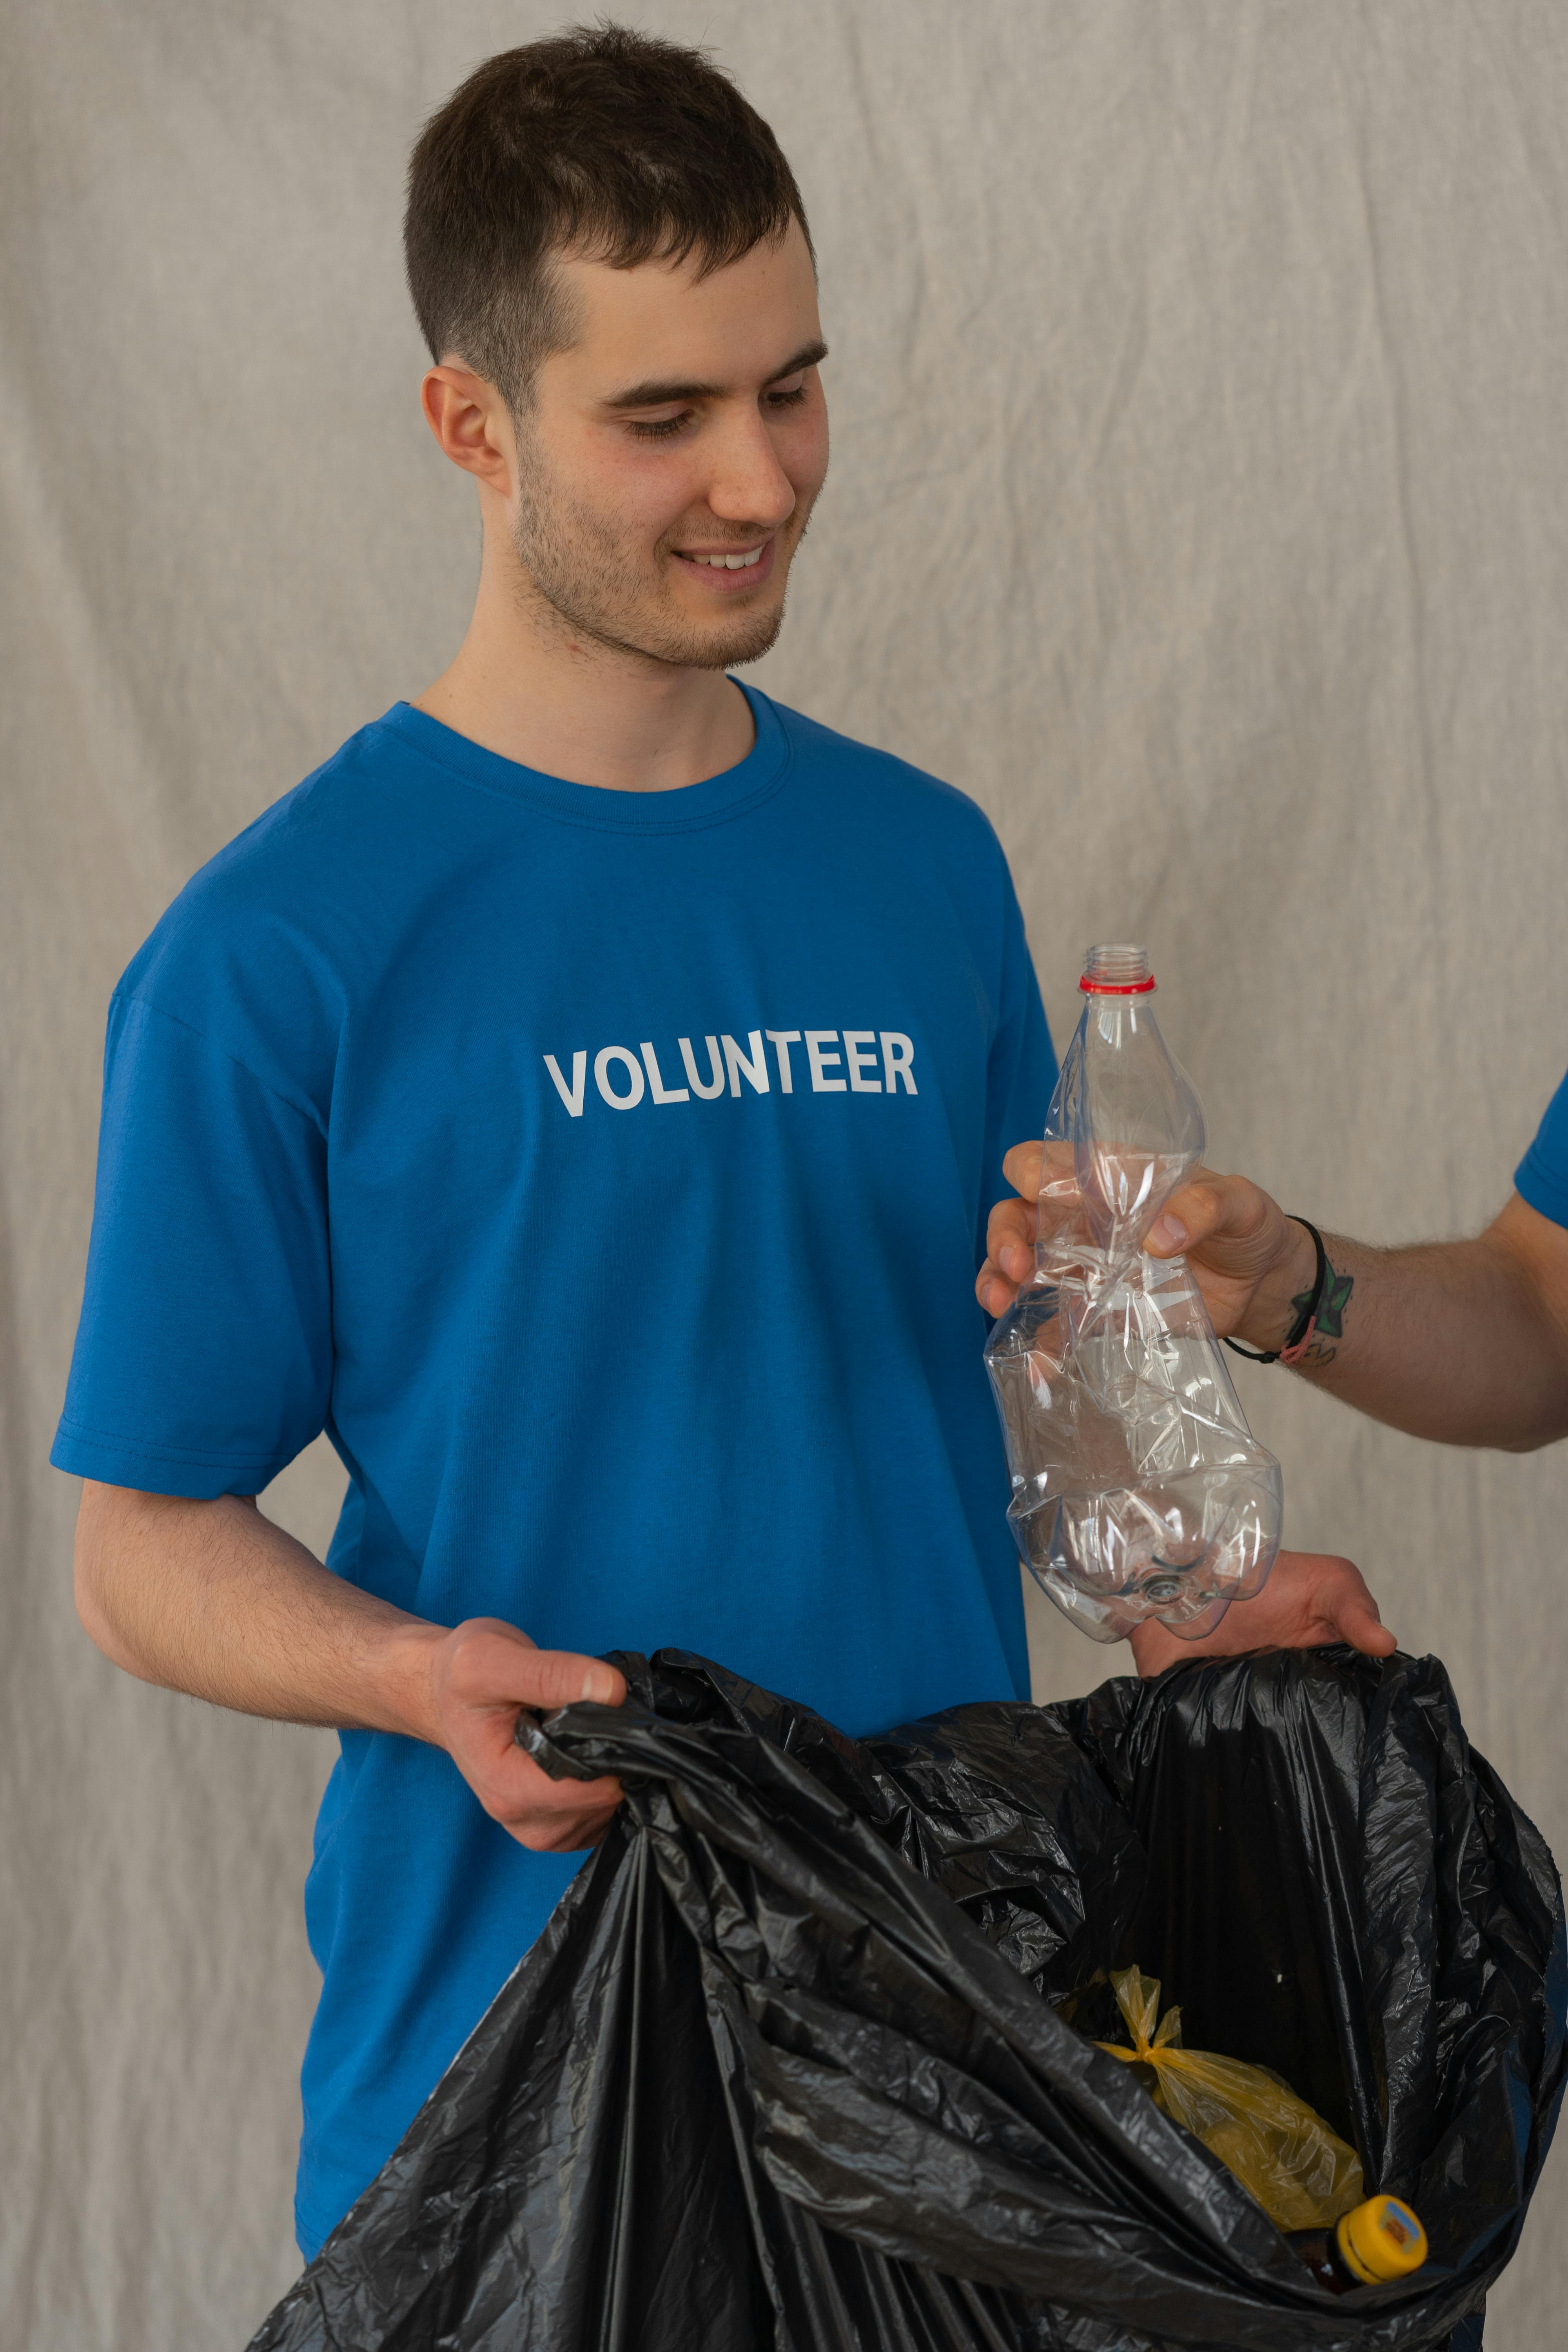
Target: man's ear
<point>469,420</point>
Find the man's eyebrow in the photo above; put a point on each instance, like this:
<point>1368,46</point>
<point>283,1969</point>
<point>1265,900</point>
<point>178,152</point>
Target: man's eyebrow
<point>655,392</point>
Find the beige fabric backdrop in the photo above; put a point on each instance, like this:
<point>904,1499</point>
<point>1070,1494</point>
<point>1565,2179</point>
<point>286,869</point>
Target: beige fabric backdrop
<point>1198,504</point>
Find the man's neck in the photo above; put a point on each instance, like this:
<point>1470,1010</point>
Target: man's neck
<point>536,692</point>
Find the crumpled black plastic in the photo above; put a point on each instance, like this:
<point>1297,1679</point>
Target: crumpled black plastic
<point>784,2073</point>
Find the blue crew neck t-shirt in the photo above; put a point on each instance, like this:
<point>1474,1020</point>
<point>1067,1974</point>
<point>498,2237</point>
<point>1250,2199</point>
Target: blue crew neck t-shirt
<point>606,1173</point>
<point>1542,1176</point>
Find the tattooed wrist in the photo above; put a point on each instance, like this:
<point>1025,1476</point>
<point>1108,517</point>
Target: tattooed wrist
<point>1329,1325</point>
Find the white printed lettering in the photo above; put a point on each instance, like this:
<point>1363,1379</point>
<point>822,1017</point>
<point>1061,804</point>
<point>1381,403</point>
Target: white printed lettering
<point>898,1061</point>
<point>715,1066</point>
<point>755,1065</point>
<point>572,1096</point>
<point>660,1092</point>
<point>861,1060</point>
<point>633,1069</point>
<point>782,1040</point>
<point>828,1051</point>
<point>816,1039</point>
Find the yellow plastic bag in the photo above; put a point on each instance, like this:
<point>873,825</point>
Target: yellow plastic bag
<point>1301,2172</point>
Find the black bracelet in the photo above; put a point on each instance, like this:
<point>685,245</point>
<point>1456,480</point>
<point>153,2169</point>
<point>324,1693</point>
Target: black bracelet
<point>1293,1346</point>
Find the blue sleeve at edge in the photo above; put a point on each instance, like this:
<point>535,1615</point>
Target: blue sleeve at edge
<point>1542,1176</point>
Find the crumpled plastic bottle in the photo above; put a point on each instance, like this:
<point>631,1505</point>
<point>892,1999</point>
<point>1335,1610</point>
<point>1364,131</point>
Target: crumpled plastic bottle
<point>1138,1489</point>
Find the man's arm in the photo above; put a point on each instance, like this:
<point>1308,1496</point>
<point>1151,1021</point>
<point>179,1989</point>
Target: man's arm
<point>1465,1342</point>
<point>211,1598</point>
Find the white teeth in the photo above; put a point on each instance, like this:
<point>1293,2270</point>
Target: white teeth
<point>730,563</point>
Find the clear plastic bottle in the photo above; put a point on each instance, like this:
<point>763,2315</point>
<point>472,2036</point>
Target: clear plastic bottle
<point>1138,1489</point>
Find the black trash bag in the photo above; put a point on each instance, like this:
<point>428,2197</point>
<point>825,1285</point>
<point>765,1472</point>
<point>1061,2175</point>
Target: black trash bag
<point>786,2072</point>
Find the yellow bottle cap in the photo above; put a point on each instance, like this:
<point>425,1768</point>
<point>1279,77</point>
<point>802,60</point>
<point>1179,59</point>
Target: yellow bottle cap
<point>1380,2240</point>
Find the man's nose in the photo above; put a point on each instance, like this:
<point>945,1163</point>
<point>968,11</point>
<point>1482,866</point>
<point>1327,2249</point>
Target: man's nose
<point>748,484</point>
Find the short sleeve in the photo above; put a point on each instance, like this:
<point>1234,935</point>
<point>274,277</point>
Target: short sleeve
<point>1021,1073</point>
<point>1542,1176</point>
<point>203,1359</point>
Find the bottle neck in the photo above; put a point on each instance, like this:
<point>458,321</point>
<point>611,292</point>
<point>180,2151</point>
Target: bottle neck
<point>1117,968</point>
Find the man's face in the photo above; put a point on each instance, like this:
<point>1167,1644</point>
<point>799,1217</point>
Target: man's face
<point>669,459</point>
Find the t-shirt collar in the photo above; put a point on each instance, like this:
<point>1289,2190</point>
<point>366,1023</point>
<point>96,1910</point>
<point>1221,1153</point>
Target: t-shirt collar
<point>681,809</point>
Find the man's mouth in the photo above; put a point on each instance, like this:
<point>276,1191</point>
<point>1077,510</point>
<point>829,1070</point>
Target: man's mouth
<point>741,563</point>
<point>748,560</point>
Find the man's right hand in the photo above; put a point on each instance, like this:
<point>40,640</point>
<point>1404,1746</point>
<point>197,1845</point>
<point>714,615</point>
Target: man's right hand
<point>213,1597</point>
<point>481,1674</point>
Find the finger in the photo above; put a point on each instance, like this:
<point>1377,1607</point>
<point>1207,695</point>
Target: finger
<point>1011,1221</point>
<point>1010,1238</point>
<point>1021,1167</point>
<point>1340,1605</point>
<point>515,1791</point>
<point>547,1679</point>
<point>997,1294</point>
<point>518,1784</point>
<point>565,1799</point>
<point>494,1665</point>
<point>993,1289</point>
<point>576,1837</point>
<point>1356,1621</point>
<point>560,1678</point>
<point>1190,1217</point>
<point>483,1744</point>
<point>564,1829</point>
<point>1154,1648</point>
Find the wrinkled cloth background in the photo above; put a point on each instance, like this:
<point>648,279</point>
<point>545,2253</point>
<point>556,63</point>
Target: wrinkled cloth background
<point>1199,505</point>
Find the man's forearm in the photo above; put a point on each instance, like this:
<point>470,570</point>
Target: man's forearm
<point>213,1599</point>
<point>1450,1340</point>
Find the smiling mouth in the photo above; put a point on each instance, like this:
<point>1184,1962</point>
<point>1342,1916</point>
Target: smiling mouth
<point>736,560</point>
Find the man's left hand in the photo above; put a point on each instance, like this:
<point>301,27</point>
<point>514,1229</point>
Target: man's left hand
<point>1310,1598</point>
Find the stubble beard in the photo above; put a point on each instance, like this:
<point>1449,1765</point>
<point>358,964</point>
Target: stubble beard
<point>590,584</point>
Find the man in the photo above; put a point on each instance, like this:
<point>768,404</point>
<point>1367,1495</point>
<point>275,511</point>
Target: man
<point>580,1099</point>
<point>1462,1341</point>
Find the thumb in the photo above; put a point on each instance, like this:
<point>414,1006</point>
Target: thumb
<point>551,1678</point>
<point>1190,1217</point>
<point>1356,1621</point>
<point>492,1664</point>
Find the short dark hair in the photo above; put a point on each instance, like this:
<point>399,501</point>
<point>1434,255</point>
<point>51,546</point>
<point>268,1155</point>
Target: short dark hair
<point>599,141</point>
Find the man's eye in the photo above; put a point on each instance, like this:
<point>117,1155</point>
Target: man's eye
<point>660,428</point>
<point>787,399</point>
